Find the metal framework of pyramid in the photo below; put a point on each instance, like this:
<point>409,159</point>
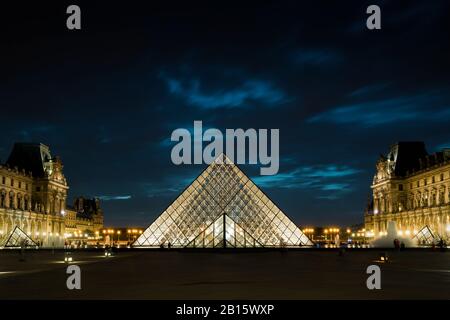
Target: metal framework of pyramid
<point>18,239</point>
<point>425,236</point>
<point>222,208</point>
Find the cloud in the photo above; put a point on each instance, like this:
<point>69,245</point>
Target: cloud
<point>393,110</point>
<point>320,177</point>
<point>335,186</point>
<point>168,185</point>
<point>442,146</point>
<point>369,89</point>
<point>112,198</point>
<point>249,91</point>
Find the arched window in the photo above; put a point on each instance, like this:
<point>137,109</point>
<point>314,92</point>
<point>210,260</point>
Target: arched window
<point>19,201</point>
<point>11,200</point>
<point>2,198</point>
<point>442,195</point>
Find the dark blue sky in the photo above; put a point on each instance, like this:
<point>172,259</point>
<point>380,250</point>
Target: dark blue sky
<point>107,98</point>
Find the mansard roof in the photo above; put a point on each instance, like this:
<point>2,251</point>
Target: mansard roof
<point>410,157</point>
<point>29,157</point>
<point>406,155</point>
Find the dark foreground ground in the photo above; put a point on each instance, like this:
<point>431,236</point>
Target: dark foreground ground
<point>303,274</point>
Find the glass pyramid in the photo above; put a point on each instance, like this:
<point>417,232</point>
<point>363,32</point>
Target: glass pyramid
<point>18,239</point>
<point>425,236</point>
<point>222,208</point>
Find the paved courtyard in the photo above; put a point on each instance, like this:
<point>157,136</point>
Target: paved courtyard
<point>295,274</point>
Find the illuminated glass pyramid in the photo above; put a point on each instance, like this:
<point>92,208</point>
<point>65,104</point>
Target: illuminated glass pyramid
<point>425,236</point>
<point>17,239</point>
<point>222,208</point>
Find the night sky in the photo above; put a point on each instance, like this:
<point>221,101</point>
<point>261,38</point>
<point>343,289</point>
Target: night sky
<point>106,98</point>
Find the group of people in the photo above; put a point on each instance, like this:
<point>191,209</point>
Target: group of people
<point>399,245</point>
<point>442,245</point>
<point>169,245</point>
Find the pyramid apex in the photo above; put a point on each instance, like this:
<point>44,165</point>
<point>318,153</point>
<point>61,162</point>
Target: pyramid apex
<point>223,159</point>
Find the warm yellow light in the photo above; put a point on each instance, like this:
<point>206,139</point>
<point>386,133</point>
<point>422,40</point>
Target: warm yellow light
<point>140,231</point>
<point>118,232</point>
<point>104,231</point>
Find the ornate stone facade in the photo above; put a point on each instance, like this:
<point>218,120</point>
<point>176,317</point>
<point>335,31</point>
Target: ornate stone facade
<point>411,188</point>
<point>84,217</point>
<point>33,194</point>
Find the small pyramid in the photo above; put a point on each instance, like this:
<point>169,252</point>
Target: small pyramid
<point>222,208</point>
<point>425,236</point>
<point>18,239</point>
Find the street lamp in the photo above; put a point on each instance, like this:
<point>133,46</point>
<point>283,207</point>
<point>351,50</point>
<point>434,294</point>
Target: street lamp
<point>118,238</point>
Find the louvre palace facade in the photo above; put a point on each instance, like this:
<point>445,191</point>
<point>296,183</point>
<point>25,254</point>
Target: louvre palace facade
<point>33,196</point>
<point>412,188</point>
